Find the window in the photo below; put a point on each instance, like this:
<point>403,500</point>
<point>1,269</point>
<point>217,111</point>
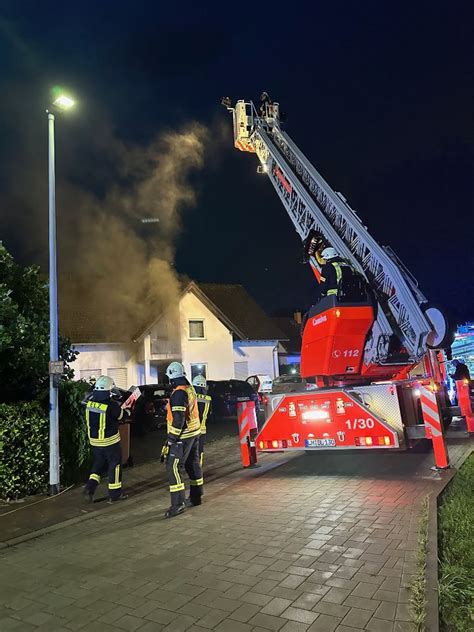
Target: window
<point>196,329</point>
<point>86,374</point>
<point>198,369</point>
<point>119,376</point>
<point>241,370</point>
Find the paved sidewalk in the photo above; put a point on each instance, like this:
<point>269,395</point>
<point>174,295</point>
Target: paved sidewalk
<point>321,543</point>
<point>18,520</point>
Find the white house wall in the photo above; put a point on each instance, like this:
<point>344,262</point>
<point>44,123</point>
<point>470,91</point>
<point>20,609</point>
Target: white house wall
<point>215,350</point>
<point>262,358</point>
<point>105,356</point>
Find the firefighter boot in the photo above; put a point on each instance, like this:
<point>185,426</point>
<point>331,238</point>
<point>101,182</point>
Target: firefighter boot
<point>88,495</point>
<point>192,502</point>
<point>175,510</point>
<point>112,501</point>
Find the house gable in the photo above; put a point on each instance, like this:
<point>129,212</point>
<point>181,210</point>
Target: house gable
<point>214,350</point>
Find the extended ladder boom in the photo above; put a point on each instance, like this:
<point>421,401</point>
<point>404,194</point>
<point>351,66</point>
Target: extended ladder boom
<point>313,206</point>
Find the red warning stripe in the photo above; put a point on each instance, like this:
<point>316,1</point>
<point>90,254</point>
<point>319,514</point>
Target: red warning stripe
<point>244,433</point>
<point>432,406</point>
<point>432,421</point>
<point>429,398</point>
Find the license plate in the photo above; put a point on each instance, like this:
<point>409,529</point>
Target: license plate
<point>320,443</point>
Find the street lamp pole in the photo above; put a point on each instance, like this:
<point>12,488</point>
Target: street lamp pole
<point>53,319</point>
<point>61,103</point>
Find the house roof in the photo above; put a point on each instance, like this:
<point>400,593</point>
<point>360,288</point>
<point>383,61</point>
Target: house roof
<point>232,304</point>
<point>240,311</point>
<point>292,330</point>
<point>93,327</point>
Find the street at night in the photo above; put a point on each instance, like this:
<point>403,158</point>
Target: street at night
<point>236,317</point>
<point>302,543</point>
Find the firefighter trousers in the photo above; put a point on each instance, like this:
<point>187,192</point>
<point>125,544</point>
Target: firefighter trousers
<point>184,455</point>
<point>107,460</point>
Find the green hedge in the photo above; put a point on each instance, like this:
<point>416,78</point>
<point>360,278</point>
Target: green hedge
<point>24,443</point>
<point>73,440</point>
<point>23,449</point>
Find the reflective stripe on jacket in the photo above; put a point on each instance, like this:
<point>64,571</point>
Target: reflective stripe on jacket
<point>204,403</point>
<point>192,425</point>
<point>338,266</point>
<point>102,429</point>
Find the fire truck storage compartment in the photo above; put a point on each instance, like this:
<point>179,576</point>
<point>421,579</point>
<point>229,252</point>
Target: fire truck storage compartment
<point>334,337</point>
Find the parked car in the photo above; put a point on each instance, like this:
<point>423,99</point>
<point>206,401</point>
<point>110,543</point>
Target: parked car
<point>149,412</point>
<point>227,393</point>
<point>291,384</point>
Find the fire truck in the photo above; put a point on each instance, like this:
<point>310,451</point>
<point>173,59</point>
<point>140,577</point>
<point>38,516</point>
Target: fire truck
<point>360,348</point>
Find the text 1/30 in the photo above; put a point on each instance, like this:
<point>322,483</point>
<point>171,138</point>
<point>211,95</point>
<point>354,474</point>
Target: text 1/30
<point>360,424</point>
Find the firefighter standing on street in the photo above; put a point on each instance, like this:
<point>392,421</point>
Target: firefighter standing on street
<point>204,404</point>
<point>103,415</point>
<point>333,272</point>
<point>461,371</point>
<point>182,448</point>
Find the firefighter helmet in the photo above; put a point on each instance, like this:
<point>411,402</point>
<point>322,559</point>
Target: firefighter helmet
<point>175,370</point>
<point>104,383</point>
<point>200,381</point>
<point>329,253</point>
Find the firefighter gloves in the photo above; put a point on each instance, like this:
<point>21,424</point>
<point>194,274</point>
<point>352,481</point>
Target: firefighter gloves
<point>164,452</point>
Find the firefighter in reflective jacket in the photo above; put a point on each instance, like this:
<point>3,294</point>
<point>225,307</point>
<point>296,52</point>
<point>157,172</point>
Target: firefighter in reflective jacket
<point>333,271</point>
<point>103,415</point>
<point>204,404</point>
<point>184,427</point>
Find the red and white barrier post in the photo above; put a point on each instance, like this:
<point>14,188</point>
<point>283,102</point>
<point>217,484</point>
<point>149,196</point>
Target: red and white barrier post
<point>248,428</point>
<point>463,389</point>
<point>434,426</point>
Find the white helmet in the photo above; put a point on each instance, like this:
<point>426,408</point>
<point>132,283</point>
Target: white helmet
<point>329,253</point>
<point>200,381</point>
<point>104,383</point>
<point>175,370</point>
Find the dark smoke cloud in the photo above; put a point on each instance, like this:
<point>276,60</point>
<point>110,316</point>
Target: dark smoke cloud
<point>110,265</point>
<point>115,273</point>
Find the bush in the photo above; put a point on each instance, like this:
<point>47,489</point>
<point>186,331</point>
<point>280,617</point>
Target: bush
<point>24,333</point>
<point>24,449</point>
<point>24,443</point>
<point>73,439</point>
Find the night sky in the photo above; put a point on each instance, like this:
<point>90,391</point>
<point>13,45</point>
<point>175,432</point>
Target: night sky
<point>379,96</point>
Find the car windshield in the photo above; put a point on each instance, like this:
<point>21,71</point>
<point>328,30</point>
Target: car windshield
<point>241,388</point>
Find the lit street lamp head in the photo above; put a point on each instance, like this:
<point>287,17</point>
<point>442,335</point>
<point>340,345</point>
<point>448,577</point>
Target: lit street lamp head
<point>63,102</point>
<point>59,101</point>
